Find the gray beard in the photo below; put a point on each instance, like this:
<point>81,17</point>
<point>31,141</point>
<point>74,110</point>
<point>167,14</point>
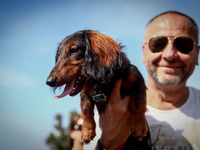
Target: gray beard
<point>167,82</point>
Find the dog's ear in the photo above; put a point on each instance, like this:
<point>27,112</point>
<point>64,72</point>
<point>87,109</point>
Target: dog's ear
<point>89,68</point>
<point>103,47</point>
<point>102,55</point>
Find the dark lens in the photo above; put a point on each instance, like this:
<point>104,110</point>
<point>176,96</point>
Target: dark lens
<point>184,44</point>
<point>77,127</point>
<point>158,43</point>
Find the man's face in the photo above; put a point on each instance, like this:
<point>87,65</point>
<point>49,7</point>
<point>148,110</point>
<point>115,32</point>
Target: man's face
<point>170,66</point>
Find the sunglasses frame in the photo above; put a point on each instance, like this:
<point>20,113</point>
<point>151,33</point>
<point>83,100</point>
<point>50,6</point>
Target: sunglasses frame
<point>173,38</point>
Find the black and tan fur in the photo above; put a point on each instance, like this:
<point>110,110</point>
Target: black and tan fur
<point>96,59</point>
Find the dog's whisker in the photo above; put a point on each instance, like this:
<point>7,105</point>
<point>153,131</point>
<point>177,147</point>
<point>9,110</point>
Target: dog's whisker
<point>57,89</point>
<point>53,90</point>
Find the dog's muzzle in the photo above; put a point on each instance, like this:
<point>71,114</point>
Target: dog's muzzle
<point>51,81</point>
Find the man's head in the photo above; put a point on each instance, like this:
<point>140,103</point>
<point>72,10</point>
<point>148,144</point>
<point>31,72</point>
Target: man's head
<point>170,50</point>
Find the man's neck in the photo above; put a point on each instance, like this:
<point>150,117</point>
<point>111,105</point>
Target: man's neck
<point>166,98</point>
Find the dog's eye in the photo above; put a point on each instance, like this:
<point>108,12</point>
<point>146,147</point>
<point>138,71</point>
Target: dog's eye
<point>73,50</point>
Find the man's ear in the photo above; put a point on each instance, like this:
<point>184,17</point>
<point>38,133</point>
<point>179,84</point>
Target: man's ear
<point>197,56</point>
<point>143,47</point>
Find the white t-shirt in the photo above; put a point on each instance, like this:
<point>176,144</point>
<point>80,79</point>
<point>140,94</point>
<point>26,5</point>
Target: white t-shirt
<point>177,129</point>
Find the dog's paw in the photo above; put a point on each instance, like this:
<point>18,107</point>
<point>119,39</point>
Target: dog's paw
<point>88,135</point>
<point>139,129</point>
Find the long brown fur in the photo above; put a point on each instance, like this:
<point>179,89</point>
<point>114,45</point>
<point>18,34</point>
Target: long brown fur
<point>105,52</point>
<point>98,60</point>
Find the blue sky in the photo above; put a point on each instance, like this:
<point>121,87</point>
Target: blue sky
<point>29,34</point>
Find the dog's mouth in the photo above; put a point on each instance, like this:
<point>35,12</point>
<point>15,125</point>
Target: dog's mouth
<point>73,87</point>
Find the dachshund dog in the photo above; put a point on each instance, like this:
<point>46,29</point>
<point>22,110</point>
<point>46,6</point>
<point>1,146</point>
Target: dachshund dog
<point>88,62</point>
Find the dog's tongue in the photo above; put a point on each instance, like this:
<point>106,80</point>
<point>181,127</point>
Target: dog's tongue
<point>67,90</point>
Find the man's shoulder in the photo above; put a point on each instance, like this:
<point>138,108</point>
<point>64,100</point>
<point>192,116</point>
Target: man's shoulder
<point>194,98</point>
<point>195,88</point>
<point>194,91</point>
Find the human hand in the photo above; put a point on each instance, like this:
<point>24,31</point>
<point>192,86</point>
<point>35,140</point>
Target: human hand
<point>115,120</point>
<point>77,142</point>
<point>76,135</point>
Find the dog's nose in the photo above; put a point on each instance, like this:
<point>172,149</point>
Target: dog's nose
<point>51,81</point>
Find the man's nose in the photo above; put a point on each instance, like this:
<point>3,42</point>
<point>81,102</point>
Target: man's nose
<point>170,51</point>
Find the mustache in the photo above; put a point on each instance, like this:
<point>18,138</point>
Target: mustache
<point>167,63</point>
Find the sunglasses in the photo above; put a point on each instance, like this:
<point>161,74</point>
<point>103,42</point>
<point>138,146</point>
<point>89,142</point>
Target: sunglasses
<point>183,44</point>
<point>77,127</point>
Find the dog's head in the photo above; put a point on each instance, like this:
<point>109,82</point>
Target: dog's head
<point>84,54</point>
